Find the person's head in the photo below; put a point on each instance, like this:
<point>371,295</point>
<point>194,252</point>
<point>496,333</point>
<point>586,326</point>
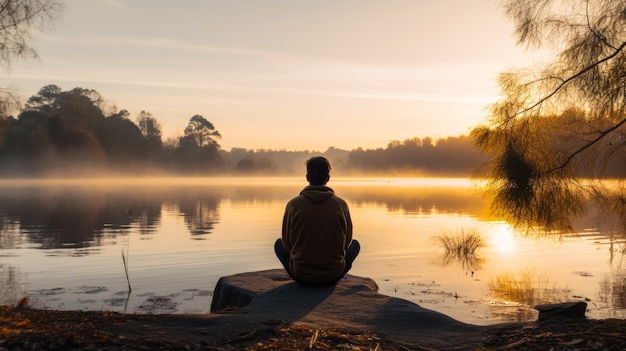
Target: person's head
<point>318,170</point>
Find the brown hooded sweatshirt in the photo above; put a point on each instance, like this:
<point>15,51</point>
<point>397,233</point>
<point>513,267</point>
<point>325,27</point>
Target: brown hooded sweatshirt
<point>317,229</point>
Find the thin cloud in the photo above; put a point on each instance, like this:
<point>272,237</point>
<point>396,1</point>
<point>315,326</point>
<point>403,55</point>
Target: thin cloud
<point>418,97</point>
<point>294,67</point>
<point>282,73</point>
<point>152,43</point>
<point>422,97</point>
<point>114,3</point>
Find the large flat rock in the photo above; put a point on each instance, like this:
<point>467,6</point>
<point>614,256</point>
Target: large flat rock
<point>270,296</point>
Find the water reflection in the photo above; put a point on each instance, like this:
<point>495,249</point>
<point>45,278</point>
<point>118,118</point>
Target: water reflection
<point>9,233</point>
<point>523,290</point>
<point>461,249</point>
<point>417,200</point>
<point>606,228</point>
<point>79,215</point>
<point>200,216</point>
<point>613,293</point>
<point>171,269</point>
<point>12,287</point>
<point>61,218</point>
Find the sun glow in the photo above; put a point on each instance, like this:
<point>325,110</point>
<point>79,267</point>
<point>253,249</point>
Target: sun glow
<point>502,239</point>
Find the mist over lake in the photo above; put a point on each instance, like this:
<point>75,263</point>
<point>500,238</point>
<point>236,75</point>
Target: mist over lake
<point>61,244</point>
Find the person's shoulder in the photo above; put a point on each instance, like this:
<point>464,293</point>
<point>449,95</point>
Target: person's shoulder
<point>339,199</point>
<point>296,199</point>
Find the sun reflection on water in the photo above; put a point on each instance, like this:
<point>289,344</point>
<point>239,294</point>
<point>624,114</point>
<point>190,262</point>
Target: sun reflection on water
<point>503,238</point>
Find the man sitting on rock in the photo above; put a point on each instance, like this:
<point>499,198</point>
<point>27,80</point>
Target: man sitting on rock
<point>316,247</point>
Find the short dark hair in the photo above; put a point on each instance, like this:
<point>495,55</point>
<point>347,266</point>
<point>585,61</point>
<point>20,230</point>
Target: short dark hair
<point>317,170</point>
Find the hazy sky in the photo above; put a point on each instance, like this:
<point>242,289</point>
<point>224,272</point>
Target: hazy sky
<point>284,74</point>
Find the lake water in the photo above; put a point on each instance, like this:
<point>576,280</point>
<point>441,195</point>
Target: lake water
<point>63,244</point>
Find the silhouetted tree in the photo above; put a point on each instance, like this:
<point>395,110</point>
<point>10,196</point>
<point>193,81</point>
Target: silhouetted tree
<point>254,162</point>
<point>202,131</point>
<point>150,127</point>
<point>450,156</point>
<point>80,146</point>
<point>79,108</point>
<point>9,101</point>
<point>198,149</point>
<point>454,155</point>
<point>123,140</point>
<point>72,126</point>
<point>562,117</point>
<point>26,137</point>
<point>56,128</point>
<point>77,125</point>
<point>45,99</point>
<point>151,130</point>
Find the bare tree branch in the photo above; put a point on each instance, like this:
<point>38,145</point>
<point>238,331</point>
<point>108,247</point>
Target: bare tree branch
<point>18,20</point>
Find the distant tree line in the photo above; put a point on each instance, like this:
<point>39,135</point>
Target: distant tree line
<point>77,132</point>
<point>452,156</point>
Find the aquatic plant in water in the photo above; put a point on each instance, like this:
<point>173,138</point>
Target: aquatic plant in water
<point>462,248</point>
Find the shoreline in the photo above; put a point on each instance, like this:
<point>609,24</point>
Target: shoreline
<point>22,328</point>
<point>266,310</point>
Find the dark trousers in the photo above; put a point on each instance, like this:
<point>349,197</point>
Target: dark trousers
<point>283,256</point>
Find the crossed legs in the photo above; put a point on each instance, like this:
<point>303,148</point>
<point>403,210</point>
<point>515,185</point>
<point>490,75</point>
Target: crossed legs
<point>283,256</point>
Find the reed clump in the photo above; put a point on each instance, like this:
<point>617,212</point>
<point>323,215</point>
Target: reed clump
<point>528,288</point>
<point>462,248</point>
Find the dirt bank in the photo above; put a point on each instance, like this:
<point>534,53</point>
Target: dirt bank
<point>29,329</point>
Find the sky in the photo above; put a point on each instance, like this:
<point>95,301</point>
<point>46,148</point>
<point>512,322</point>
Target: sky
<point>284,74</point>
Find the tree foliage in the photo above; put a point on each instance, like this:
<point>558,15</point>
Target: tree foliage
<point>201,131</point>
<point>64,131</point>
<point>449,156</point>
<point>151,130</point>
<point>18,20</point>
<point>559,127</point>
<point>198,148</point>
<point>149,126</point>
<point>8,101</point>
<point>67,132</point>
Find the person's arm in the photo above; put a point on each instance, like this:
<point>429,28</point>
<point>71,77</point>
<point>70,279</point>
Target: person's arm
<point>286,232</point>
<point>348,227</point>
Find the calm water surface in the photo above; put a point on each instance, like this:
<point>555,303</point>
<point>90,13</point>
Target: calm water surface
<point>62,242</point>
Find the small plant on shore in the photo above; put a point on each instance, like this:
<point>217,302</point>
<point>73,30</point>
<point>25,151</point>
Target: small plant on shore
<point>125,259</point>
<point>462,248</point>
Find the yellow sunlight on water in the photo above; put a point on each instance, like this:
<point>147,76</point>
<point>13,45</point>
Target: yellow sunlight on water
<point>502,239</point>
<point>404,182</point>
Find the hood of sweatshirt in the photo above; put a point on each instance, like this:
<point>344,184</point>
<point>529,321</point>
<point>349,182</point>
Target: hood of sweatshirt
<point>317,194</point>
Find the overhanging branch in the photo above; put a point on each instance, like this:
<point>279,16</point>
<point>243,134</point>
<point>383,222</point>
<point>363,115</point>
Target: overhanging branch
<point>566,81</point>
<point>588,145</point>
